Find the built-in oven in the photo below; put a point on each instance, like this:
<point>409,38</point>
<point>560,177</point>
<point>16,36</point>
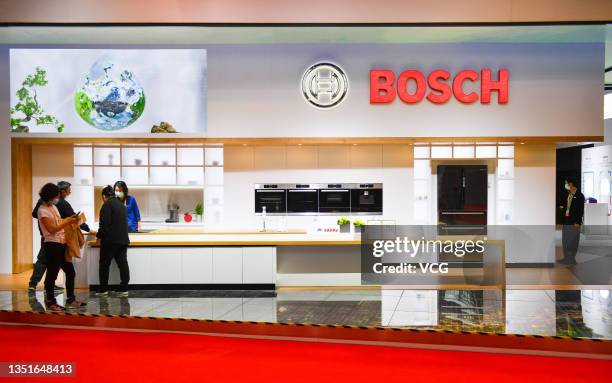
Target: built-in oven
<point>367,198</point>
<point>271,196</point>
<point>302,199</point>
<point>334,198</point>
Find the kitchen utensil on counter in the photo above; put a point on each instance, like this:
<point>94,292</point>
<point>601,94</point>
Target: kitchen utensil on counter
<point>173,210</point>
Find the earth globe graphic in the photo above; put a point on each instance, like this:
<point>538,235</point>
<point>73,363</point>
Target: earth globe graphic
<point>110,98</point>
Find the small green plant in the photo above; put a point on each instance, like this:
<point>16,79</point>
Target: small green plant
<point>343,221</point>
<point>358,223</point>
<point>198,209</point>
<point>28,108</point>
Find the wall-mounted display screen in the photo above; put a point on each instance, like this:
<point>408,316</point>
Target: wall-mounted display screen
<point>97,91</point>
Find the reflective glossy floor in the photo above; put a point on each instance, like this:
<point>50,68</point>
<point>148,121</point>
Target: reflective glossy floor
<point>577,313</point>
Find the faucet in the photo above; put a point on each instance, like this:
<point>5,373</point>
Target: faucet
<point>263,215</point>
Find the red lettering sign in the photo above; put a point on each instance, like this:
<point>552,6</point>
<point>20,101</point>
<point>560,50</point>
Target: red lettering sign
<point>381,86</point>
<point>402,86</point>
<point>383,91</point>
<point>458,86</point>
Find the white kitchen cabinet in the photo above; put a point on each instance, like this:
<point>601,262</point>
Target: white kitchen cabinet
<point>107,155</point>
<point>193,175</point>
<point>197,265</point>
<point>227,265</point>
<point>190,156</point>
<point>135,155</point>
<point>259,265</point>
<point>163,175</point>
<point>162,156</point>
<point>106,175</point>
<point>139,260</point>
<point>135,175</point>
<point>166,265</point>
<point>187,265</point>
<point>83,175</point>
<point>213,176</point>
<point>214,156</point>
<point>82,155</point>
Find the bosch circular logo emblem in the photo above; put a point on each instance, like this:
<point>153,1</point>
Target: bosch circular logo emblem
<point>324,85</point>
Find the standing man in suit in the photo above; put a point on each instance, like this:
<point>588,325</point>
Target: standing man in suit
<point>114,241</point>
<point>573,213</point>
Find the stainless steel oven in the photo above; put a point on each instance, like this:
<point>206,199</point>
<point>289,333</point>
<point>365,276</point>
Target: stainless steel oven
<point>334,198</point>
<point>271,196</point>
<point>302,199</point>
<point>367,198</point>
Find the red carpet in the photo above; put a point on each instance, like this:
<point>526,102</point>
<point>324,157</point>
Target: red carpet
<point>112,356</point>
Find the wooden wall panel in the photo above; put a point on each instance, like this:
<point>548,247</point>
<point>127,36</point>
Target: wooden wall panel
<point>270,157</point>
<point>238,158</point>
<point>302,157</point>
<point>334,157</point>
<point>397,156</point>
<point>366,156</point>
<point>21,159</point>
<point>537,155</point>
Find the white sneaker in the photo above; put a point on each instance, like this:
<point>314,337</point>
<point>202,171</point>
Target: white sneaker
<point>102,293</point>
<point>122,294</point>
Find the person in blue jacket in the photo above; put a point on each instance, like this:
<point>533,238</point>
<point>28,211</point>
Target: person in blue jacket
<point>133,214</point>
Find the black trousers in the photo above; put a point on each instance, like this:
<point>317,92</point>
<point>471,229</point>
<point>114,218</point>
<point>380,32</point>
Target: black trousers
<point>55,254</point>
<point>108,252</point>
<point>40,266</point>
<point>570,238</point>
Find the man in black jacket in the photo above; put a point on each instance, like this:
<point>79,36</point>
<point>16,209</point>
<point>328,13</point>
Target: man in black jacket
<point>114,241</point>
<point>573,213</point>
<point>65,210</point>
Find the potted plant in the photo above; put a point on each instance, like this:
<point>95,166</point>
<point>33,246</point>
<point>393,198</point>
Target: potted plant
<point>345,224</point>
<point>198,210</point>
<point>358,225</point>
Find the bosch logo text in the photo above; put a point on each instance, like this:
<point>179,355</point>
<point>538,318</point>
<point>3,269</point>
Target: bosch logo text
<point>438,87</point>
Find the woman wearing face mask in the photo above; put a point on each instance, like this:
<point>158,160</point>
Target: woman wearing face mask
<point>133,214</point>
<point>52,227</point>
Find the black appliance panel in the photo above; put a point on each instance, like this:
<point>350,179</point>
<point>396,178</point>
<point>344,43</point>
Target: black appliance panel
<point>367,200</point>
<point>336,198</point>
<point>302,199</point>
<point>274,199</point>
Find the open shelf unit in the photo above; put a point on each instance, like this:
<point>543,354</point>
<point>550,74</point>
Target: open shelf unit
<point>150,166</point>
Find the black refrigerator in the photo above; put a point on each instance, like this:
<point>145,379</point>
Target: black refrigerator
<point>462,198</point>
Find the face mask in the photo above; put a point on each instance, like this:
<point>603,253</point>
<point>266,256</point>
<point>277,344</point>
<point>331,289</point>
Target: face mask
<point>55,201</point>
<point>567,187</point>
<point>119,195</point>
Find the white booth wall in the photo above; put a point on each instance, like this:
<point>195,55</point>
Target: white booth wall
<point>253,91</point>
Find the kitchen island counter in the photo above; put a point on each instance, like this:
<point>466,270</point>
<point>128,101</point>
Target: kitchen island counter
<point>193,257</point>
<point>182,237</point>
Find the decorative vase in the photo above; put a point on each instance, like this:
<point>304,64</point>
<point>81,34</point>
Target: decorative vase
<point>346,228</point>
